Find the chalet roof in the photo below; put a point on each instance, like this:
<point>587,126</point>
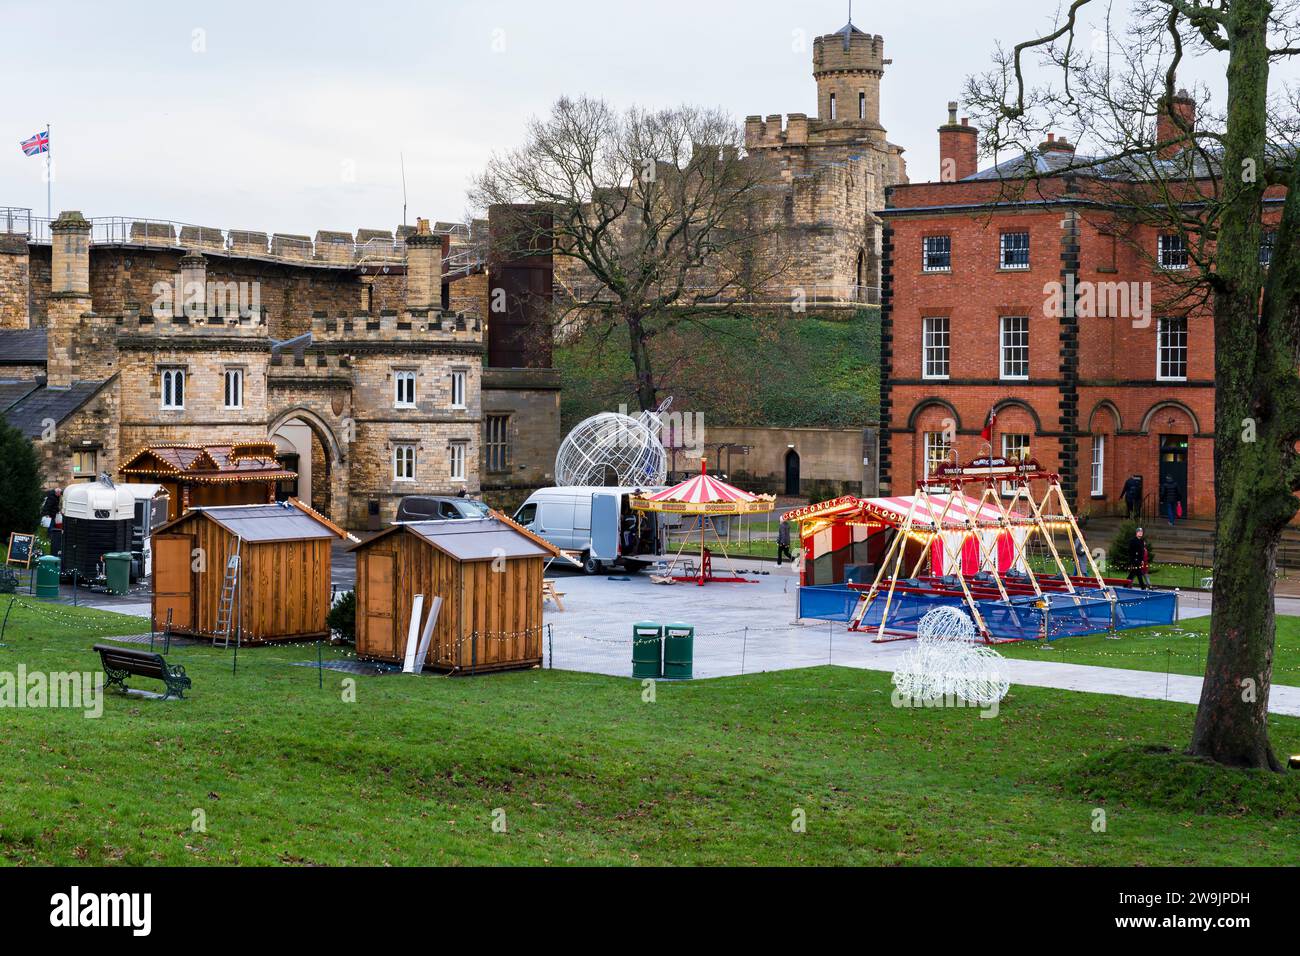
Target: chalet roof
<point>239,461</point>
<point>474,539</point>
<point>262,523</point>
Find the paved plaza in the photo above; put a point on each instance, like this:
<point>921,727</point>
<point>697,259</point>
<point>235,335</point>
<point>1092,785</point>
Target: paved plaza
<point>751,628</point>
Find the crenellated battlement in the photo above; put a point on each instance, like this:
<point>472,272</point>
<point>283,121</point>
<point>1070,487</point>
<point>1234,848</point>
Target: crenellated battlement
<point>392,325</point>
<point>849,50</point>
<point>158,322</point>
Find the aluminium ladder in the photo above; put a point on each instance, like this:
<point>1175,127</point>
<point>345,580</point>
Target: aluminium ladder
<point>226,616</point>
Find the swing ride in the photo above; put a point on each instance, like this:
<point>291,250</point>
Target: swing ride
<point>977,552</point>
<point>706,498</point>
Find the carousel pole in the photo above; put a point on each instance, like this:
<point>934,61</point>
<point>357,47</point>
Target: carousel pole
<point>704,462</point>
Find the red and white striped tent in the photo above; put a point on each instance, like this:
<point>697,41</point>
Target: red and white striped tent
<point>705,496</point>
<point>833,527</point>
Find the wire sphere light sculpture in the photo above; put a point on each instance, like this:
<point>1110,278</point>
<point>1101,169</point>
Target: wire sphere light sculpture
<point>613,449</point>
<point>948,661</point>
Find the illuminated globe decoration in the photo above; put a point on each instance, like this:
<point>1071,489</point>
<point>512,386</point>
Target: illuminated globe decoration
<point>613,449</point>
<point>948,661</point>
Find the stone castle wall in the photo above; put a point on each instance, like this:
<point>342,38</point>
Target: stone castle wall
<point>15,282</point>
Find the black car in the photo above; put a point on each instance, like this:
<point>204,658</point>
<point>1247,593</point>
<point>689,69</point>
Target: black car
<point>439,508</point>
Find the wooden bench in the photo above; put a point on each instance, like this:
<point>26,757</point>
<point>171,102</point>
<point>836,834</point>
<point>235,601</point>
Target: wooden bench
<point>123,662</point>
<point>549,593</point>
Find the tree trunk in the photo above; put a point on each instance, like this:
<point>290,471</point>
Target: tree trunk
<point>647,392</point>
<point>1251,456</point>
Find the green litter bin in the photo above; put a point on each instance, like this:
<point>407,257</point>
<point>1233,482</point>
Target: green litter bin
<point>117,568</point>
<point>679,651</point>
<point>647,649</point>
<point>47,576</point>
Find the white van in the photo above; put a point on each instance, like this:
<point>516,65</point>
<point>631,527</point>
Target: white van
<point>595,521</point>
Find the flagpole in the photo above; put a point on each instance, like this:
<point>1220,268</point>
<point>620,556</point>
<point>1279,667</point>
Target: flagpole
<point>49,174</point>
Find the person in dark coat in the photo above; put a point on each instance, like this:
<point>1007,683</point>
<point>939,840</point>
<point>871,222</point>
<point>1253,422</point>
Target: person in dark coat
<point>783,543</point>
<point>1139,560</point>
<point>1132,495</point>
<point>1170,498</point>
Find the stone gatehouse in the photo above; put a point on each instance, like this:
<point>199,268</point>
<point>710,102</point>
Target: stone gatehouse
<point>118,335</point>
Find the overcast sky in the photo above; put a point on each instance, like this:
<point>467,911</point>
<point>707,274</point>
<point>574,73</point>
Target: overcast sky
<point>290,117</point>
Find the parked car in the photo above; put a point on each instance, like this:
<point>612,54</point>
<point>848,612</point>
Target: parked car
<point>595,521</point>
<point>439,508</point>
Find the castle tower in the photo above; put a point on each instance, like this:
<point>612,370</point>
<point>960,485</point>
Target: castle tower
<point>69,294</point>
<point>847,66</point>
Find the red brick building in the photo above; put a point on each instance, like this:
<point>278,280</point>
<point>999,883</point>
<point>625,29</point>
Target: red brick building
<point>1041,304</point>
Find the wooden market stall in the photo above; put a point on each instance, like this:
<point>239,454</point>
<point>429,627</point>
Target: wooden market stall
<point>487,571</point>
<point>276,589</point>
<point>196,476</point>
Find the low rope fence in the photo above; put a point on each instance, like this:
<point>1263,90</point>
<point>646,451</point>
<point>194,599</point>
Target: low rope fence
<point>730,652</point>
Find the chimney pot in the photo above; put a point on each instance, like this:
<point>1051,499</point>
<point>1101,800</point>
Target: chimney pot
<point>952,112</point>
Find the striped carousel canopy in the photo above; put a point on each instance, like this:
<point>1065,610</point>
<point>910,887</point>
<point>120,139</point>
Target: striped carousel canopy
<point>704,494</point>
<point>929,510</point>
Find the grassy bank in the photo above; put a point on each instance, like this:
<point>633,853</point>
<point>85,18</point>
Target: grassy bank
<point>780,371</point>
<point>580,769</point>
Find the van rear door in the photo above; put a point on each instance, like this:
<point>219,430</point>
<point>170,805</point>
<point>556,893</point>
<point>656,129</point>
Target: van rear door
<point>604,525</point>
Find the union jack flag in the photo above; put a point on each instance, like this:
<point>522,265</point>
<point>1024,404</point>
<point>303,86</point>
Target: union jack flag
<point>40,143</point>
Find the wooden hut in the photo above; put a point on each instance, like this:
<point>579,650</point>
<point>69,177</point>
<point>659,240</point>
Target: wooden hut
<point>488,572</point>
<point>243,473</point>
<point>278,589</point>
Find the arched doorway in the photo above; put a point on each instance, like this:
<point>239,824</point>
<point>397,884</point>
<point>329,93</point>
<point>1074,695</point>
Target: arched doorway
<point>305,445</point>
<point>792,473</point>
<point>860,273</point>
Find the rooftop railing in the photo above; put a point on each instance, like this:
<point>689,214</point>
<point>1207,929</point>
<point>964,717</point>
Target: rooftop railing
<point>325,249</point>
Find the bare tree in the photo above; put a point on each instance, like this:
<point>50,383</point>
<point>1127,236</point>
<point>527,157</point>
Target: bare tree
<point>659,214</point>
<point>1209,178</point>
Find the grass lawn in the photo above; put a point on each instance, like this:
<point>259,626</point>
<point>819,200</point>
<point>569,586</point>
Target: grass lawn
<point>1178,647</point>
<point>583,770</point>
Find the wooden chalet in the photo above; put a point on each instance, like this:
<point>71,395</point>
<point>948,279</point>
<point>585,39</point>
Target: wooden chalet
<point>242,473</point>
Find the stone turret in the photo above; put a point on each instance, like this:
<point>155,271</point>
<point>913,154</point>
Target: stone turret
<point>69,295</point>
<point>847,66</point>
<point>193,293</point>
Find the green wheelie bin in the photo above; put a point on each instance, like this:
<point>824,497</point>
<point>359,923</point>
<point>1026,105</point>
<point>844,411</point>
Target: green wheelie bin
<point>47,576</point>
<point>647,649</point>
<point>679,651</point>
<point>117,568</point>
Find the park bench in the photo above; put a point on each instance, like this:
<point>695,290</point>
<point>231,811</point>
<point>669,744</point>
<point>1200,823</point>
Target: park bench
<point>123,662</point>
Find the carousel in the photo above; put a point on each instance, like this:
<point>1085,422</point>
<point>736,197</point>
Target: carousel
<point>704,498</point>
<point>894,559</point>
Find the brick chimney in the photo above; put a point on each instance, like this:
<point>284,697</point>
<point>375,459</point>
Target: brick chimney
<point>1054,145</point>
<point>1185,108</point>
<point>423,268</point>
<point>958,148</point>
